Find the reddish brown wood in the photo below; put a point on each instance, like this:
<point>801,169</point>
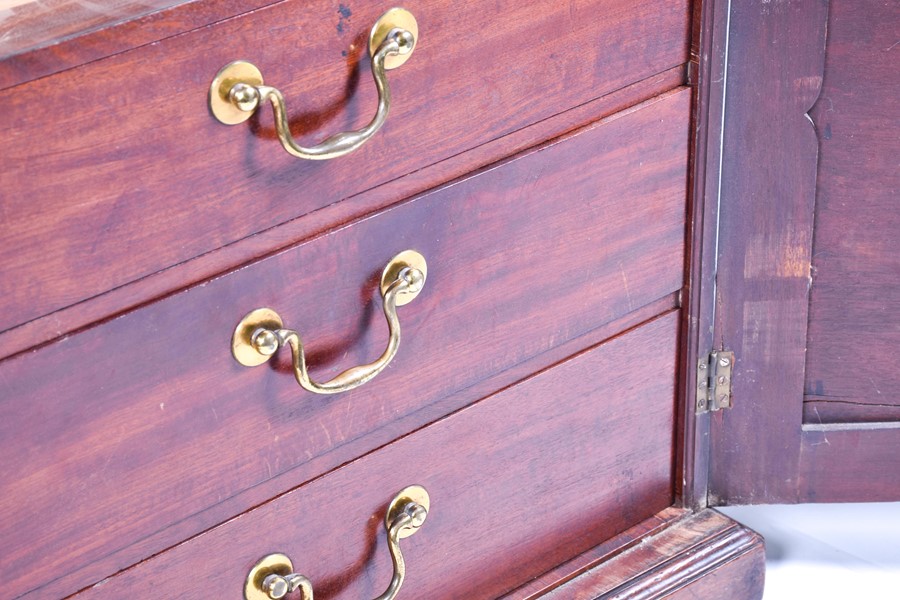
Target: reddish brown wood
<point>854,319</point>
<point>596,555</point>
<point>707,70</point>
<point>704,556</point>
<point>151,431</point>
<point>78,316</point>
<point>850,462</point>
<point>116,169</point>
<point>743,576</point>
<point>762,450</point>
<point>26,25</point>
<point>508,501</point>
<point>48,36</point>
<point>265,490</point>
<point>765,238</point>
<point>836,409</point>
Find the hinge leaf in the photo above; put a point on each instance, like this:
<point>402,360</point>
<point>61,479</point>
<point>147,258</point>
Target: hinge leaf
<point>714,381</point>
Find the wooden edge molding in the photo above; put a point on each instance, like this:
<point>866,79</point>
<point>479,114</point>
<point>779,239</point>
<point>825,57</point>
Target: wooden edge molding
<point>704,555</point>
<point>537,587</point>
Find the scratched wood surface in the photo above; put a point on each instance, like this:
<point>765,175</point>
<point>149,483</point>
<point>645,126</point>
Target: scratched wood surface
<point>508,501</point>
<point>102,188</point>
<point>854,315</point>
<point>144,430</point>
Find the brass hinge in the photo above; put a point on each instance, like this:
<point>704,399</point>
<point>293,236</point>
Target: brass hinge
<point>714,381</point>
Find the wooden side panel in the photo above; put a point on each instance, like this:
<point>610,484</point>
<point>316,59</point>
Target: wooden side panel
<point>508,500</point>
<point>854,318</point>
<point>704,556</point>
<point>144,430</point>
<point>767,198</point>
<point>116,170</point>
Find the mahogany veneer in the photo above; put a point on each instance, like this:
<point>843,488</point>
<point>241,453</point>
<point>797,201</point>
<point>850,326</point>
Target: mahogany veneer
<point>151,410</point>
<point>507,500</point>
<point>124,155</point>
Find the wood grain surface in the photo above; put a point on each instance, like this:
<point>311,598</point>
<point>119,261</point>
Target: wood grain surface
<point>785,174</point>
<point>26,25</point>
<point>78,316</point>
<point>703,556</point>
<point>519,482</point>
<point>850,462</point>
<point>116,170</point>
<point>854,314</point>
<point>707,74</point>
<point>45,37</point>
<point>151,432</point>
<point>768,188</point>
<point>590,559</point>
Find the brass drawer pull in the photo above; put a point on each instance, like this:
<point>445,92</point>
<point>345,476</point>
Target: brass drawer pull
<point>259,335</point>
<point>273,578</point>
<point>238,90</point>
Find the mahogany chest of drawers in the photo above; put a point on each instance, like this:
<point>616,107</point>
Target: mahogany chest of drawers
<point>493,302</point>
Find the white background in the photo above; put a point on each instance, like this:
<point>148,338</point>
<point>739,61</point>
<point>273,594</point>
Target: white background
<point>828,551</point>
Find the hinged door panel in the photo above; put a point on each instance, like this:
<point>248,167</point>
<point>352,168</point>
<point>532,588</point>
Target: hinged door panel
<point>807,287</point>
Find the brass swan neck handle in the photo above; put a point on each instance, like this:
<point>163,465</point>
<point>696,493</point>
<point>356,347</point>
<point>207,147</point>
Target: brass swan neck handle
<point>273,578</point>
<point>260,334</point>
<point>237,91</point>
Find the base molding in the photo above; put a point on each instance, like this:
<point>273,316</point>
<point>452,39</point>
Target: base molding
<point>703,555</point>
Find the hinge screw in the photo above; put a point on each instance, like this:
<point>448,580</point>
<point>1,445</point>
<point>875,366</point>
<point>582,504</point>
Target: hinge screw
<point>724,362</point>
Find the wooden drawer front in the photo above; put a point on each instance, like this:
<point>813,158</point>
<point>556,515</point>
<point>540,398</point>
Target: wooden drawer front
<point>519,482</point>
<point>123,439</point>
<point>115,170</point>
